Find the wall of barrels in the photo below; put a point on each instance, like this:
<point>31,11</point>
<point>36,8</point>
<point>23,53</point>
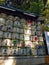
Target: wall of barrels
<point>19,36</point>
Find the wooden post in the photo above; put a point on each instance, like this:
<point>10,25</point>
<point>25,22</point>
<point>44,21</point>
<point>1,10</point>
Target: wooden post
<point>47,59</point>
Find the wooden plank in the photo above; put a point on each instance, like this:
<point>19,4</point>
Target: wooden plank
<point>47,59</point>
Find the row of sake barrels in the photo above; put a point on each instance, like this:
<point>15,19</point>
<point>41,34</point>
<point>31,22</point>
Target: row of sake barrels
<point>9,19</point>
<point>22,51</point>
<point>21,43</point>
<point>25,37</point>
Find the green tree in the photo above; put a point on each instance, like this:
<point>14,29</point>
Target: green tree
<point>30,5</point>
<point>47,1</point>
<point>2,1</point>
<point>37,7</point>
<point>25,5</point>
<point>45,26</point>
<point>40,6</point>
<point>33,7</point>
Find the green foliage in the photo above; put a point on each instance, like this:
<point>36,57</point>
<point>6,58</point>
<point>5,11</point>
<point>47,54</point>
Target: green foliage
<point>28,5</point>
<point>46,20</point>
<point>2,1</point>
<point>40,6</point>
<point>44,28</point>
<point>34,7</point>
<point>37,7</point>
<point>31,6</point>
<point>47,1</point>
<point>23,6</point>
